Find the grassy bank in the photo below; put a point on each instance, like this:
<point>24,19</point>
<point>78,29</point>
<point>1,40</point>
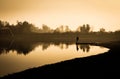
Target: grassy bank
<point>62,37</point>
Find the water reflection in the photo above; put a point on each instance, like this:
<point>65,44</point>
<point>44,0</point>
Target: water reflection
<point>83,47</point>
<point>26,47</point>
<point>45,46</point>
<point>19,46</point>
<point>32,54</point>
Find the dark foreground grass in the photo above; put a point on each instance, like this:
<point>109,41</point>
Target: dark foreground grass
<point>106,64</point>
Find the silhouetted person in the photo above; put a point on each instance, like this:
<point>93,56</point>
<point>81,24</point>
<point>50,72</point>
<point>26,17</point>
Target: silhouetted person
<point>77,38</point>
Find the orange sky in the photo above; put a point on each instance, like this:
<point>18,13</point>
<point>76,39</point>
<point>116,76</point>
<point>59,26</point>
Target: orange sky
<point>97,13</point>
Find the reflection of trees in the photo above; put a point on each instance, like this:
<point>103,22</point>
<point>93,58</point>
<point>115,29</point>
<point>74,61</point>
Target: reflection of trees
<point>22,47</point>
<point>26,46</point>
<point>84,48</point>
<point>63,46</point>
<point>45,46</point>
<point>85,28</point>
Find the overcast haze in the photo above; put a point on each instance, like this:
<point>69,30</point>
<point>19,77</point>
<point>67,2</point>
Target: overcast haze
<point>97,13</point>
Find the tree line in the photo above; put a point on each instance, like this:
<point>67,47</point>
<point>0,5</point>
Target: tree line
<point>27,28</point>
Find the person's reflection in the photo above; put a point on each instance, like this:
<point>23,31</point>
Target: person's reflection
<point>84,48</point>
<point>77,48</point>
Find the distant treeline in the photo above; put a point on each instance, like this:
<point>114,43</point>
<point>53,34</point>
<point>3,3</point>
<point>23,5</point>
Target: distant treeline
<point>27,28</point>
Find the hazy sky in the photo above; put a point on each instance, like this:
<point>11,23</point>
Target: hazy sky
<point>97,13</point>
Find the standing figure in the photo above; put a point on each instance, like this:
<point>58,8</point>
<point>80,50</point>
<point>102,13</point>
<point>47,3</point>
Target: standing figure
<point>77,38</point>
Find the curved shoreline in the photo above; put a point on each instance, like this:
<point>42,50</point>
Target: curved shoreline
<point>105,63</point>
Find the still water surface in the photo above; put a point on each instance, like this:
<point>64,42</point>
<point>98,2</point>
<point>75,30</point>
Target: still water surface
<point>13,61</point>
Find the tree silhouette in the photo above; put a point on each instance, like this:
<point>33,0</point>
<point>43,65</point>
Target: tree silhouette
<point>67,29</point>
<point>59,29</point>
<point>27,28</point>
<point>45,28</point>
<point>85,28</point>
<point>102,30</point>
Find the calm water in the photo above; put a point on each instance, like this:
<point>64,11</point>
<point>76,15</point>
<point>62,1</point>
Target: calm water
<point>19,58</point>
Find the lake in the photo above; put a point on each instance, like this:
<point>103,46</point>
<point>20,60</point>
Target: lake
<point>18,58</point>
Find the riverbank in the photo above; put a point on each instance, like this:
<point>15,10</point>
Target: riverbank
<point>100,65</point>
<point>62,37</point>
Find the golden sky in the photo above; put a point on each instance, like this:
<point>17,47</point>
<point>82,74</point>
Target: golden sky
<point>97,13</point>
